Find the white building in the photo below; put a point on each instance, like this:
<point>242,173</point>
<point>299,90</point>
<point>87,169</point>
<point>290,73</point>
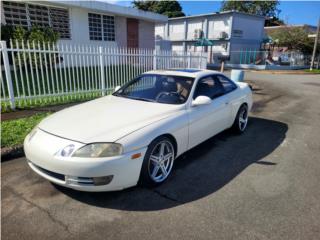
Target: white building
<point>83,22</point>
<point>230,31</point>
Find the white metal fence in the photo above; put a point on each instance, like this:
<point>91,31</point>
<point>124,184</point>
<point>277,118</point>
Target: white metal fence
<point>42,73</point>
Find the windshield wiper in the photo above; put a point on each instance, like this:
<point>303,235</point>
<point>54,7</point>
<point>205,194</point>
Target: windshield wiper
<point>134,98</point>
<point>142,99</point>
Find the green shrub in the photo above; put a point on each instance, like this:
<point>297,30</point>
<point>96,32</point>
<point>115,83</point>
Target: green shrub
<point>17,36</point>
<point>46,35</point>
<point>35,33</point>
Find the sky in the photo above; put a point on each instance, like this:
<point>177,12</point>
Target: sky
<point>292,12</point>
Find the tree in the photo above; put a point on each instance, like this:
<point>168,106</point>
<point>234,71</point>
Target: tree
<point>268,9</point>
<point>273,21</point>
<point>169,8</point>
<point>295,38</point>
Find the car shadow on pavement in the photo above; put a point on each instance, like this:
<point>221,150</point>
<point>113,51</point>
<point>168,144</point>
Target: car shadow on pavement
<point>200,172</point>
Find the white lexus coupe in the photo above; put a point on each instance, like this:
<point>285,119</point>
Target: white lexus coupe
<point>134,135</point>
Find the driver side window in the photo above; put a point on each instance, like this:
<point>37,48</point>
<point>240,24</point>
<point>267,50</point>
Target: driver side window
<point>209,87</point>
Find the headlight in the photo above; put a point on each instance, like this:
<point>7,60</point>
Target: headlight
<point>67,151</point>
<point>99,150</point>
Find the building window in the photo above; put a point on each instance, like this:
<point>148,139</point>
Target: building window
<point>28,15</point>
<point>95,26</point>
<point>39,15</point>
<point>15,13</point>
<point>101,27</point>
<point>60,22</point>
<point>108,28</point>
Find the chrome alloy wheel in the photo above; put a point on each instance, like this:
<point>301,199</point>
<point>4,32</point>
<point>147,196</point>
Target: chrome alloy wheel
<point>243,118</point>
<point>161,161</point>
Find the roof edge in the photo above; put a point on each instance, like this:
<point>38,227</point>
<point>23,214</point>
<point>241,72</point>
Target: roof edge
<point>111,8</point>
<point>290,25</point>
<point>217,13</point>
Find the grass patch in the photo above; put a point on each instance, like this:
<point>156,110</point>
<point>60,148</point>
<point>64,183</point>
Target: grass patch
<point>49,101</point>
<point>313,71</point>
<point>13,132</point>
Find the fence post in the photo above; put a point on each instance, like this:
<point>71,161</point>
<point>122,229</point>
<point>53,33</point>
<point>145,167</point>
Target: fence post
<point>103,86</point>
<point>8,74</point>
<point>154,59</point>
<point>189,59</point>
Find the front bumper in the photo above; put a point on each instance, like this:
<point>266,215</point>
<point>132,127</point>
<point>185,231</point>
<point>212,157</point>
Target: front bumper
<point>80,173</point>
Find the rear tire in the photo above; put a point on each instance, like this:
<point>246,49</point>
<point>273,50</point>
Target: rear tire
<point>158,162</point>
<point>241,121</point>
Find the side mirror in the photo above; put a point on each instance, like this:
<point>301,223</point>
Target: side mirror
<point>201,100</point>
<point>117,88</point>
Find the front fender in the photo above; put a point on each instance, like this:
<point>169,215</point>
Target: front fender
<point>176,125</point>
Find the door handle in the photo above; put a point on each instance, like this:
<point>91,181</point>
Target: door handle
<point>226,103</point>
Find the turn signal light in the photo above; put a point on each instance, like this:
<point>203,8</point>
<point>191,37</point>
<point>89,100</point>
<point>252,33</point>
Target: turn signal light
<point>136,155</point>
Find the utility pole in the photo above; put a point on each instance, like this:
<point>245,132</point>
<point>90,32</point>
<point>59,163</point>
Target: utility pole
<point>315,45</point>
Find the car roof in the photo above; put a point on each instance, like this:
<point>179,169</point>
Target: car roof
<point>184,72</point>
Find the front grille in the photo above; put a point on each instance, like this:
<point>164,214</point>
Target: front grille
<point>72,180</point>
<point>50,173</point>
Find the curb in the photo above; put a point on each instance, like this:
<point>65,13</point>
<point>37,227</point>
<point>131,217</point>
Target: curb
<point>9,153</point>
<point>282,72</point>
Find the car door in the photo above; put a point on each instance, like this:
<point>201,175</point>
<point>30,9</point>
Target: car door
<point>231,95</point>
<point>207,120</point>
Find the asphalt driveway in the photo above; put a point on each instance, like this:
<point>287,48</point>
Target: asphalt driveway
<point>264,184</point>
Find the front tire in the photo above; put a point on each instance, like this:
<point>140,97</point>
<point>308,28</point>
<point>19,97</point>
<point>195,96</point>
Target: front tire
<point>241,121</point>
<point>158,162</point>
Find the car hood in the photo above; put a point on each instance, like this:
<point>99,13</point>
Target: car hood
<point>106,119</point>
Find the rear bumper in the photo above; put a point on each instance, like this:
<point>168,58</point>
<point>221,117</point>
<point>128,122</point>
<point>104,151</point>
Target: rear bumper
<point>80,173</point>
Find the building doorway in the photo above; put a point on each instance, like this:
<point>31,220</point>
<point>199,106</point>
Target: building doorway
<point>132,33</point>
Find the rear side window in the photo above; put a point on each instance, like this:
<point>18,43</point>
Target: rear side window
<point>209,87</point>
<point>227,84</point>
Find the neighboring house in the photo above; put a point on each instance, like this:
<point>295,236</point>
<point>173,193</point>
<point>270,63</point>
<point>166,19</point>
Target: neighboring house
<point>86,22</point>
<point>284,54</point>
<point>306,27</point>
<point>231,32</point>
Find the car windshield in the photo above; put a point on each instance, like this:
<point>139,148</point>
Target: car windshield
<point>157,88</point>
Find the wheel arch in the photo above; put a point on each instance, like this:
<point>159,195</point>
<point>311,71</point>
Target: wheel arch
<point>244,103</point>
<point>172,138</point>
<point>235,111</point>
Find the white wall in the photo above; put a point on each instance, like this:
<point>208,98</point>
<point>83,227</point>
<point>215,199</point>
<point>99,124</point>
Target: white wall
<point>160,31</point>
<point>247,34</point>
<point>178,47</point>
<point>218,24</point>
<point>192,25</point>
<point>251,27</point>
<point>146,34</point>
<point>120,31</point>
<point>176,30</point>
<point>79,27</point>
